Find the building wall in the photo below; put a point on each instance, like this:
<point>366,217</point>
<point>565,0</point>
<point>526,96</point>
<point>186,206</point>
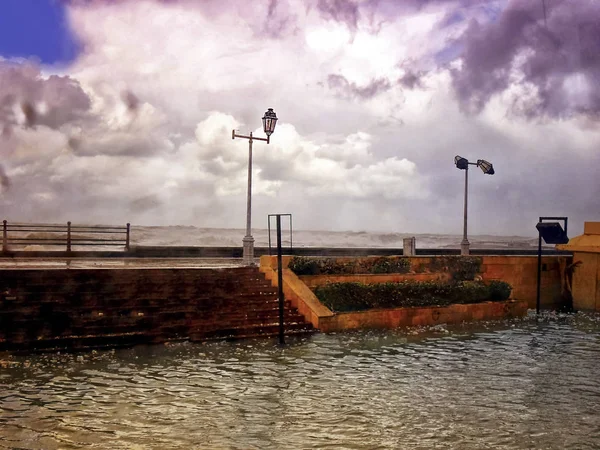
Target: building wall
<point>521,273</point>
<point>586,285</point>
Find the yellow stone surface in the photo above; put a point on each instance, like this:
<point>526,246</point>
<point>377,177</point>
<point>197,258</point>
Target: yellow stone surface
<point>591,228</point>
<point>519,271</point>
<point>589,241</point>
<point>586,278</point>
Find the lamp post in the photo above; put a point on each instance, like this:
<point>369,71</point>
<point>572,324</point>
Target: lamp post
<point>463,164</point>
<point>269,120</point>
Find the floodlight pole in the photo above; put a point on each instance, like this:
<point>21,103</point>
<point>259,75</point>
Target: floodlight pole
<point>539,261</point>
<point>463,164</point>
<point>539,272</point>
<point>464,245</point>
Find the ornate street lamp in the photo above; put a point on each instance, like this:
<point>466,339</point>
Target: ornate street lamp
<point>269,121</point>
<point>463,164</point>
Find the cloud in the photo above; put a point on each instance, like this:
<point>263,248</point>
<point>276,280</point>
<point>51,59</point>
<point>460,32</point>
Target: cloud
<point>29,98</point>
<point>553,59</point>
<point>344,88</point>
<point>371,98</point>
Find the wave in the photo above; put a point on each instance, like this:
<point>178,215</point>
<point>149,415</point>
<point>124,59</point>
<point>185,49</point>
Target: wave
<point>231,237</point>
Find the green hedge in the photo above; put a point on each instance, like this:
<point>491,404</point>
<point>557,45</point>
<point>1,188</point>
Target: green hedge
<point>461,268</point>
<point>341,297</point>
<point>301,265</point>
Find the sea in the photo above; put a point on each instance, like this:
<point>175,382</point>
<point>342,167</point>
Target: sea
<point>190,236</point>
<point>231,237</point>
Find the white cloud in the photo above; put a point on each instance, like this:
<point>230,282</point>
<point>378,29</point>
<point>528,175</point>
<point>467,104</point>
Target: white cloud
<point>167,82</point>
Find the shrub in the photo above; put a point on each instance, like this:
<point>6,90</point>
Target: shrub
<point>385,265</point>
<point>304,266</point>
<point>470,292</point>
<point>461,268</point>
<point>345,296</point>
<point>499,290</point>
<point>301,265</point>
<point>358,296</point>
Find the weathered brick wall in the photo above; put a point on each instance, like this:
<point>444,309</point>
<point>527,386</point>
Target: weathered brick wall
<point>83,308</point>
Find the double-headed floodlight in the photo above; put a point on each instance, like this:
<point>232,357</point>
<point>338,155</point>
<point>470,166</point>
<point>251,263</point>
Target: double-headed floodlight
<point>463,164</point>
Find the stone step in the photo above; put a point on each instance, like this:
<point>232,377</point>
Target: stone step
<point>20,296</point>
<point>80,309</point>
<point>74,342</point>
<point>134,334</point>
<point>306,332</point>
<point>111,305</point>
<point>108,302</point>
<point>250,330</point>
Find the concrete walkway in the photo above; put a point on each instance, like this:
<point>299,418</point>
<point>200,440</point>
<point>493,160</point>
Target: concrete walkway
<point>118,263</point>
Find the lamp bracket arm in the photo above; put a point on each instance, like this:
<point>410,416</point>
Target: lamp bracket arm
<point>252,138</point>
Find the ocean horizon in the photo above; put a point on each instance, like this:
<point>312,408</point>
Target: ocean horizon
<point>181,235</point>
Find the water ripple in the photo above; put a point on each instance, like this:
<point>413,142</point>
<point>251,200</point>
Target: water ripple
<point>513,384</point>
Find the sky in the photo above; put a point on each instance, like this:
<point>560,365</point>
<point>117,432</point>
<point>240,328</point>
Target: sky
<point>115,111</point>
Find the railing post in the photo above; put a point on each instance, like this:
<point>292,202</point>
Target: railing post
<point>127,237</point>
<point>4,237</point>
<point>69,236</point>
<point>280,281</point>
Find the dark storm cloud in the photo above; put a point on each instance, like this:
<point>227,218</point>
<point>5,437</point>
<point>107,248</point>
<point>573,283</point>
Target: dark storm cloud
<point>131,101</point>
<point>4,180</point>
<point>554,44</point>
<point>559,56</point>
<point>345,88</point>
<point>52,101</point>
<point>412,80</point>
<point>277,21</point>
<point>346,11</point>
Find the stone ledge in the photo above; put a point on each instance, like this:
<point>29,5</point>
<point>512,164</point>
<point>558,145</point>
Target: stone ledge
<point>423,316</point>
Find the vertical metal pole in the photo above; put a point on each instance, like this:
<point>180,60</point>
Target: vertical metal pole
<point>69,236</point>
<point>464,245</point>
<point>127,237</point>
<point>280,280</point>
<point>269,230</point>
<point>4,237</point>
<point>249,200</point>
<point>539,272</point>
<point>291,233</point>
<point>248,240</point>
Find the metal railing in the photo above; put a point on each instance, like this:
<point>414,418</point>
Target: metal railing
<point>69,236</point>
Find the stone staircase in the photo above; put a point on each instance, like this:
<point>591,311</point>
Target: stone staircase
<point>46,309</point>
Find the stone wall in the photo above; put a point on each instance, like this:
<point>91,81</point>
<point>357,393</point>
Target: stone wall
<point>88,308</point>
<point>519,271</point>
<point>298,291</point>
<point>424,316</point>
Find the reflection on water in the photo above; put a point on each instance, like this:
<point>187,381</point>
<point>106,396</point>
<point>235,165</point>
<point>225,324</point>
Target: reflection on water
<point>519,384</point>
